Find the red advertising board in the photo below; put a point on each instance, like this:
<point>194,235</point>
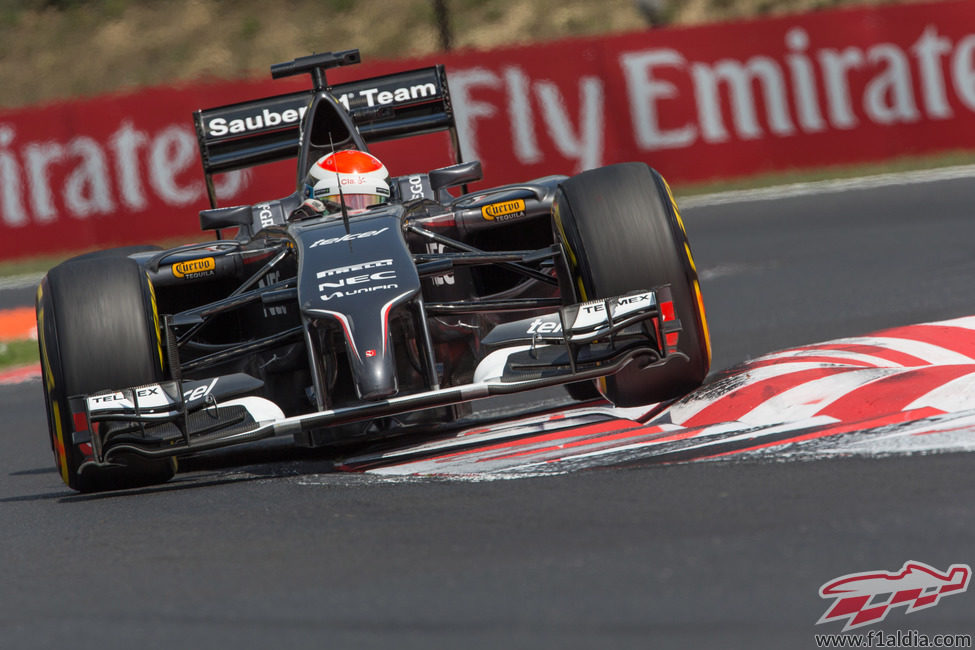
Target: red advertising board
<point>702,102</point>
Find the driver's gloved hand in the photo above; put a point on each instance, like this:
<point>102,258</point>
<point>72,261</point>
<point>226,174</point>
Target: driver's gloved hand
<point>310,208</point>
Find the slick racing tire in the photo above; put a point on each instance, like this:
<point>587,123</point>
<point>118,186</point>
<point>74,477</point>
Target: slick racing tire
<point>97,329</point>
<point>620,231</point>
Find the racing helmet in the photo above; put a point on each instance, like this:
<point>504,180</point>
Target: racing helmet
<point>363,178</point>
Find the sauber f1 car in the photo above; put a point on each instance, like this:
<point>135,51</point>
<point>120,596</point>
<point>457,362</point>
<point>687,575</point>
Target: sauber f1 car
<point>365,324</point>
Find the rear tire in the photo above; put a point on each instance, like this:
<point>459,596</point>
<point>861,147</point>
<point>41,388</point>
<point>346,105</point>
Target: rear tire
<point>97,329</point>
<point>620,231</point>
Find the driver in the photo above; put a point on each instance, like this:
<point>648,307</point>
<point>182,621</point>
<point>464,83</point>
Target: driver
<point>363,178</point>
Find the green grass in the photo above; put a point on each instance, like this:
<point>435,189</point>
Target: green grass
<point>31,265</point>
<point>17,353</point>
<point>41,263</point>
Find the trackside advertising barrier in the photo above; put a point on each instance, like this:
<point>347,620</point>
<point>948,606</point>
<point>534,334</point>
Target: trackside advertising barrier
<point>697,103</point>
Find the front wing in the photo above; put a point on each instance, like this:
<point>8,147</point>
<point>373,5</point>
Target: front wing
<point>171,418</point>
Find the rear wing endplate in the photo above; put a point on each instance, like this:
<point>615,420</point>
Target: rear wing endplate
<point>266,130</point>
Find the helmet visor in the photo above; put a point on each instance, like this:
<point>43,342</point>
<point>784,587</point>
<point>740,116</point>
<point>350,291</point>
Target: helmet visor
<point>356,201</point>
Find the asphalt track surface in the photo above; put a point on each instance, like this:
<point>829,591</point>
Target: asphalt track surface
<point>270,548</point>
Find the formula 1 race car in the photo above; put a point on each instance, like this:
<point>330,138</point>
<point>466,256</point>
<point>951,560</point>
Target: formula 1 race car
<point>360,325</point>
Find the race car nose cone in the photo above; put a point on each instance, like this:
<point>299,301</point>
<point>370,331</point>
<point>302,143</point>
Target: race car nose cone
<point>376,395</point>
<point>374,373</point>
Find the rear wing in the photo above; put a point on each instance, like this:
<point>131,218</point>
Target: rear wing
<point>266,130</point>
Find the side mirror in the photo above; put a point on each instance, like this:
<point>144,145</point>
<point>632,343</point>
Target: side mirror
<point>455,175</point>
<point>218,218</point>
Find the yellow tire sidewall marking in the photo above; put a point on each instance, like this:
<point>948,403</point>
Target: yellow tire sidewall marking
<point>155,322</point>
<point>60,453</point>
<point>696,287</point>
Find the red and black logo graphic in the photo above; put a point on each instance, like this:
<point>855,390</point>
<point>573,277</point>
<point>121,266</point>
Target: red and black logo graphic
<point>866,598</point>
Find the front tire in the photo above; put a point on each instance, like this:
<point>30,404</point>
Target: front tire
<point>620,231</point>
<point>97,329</point>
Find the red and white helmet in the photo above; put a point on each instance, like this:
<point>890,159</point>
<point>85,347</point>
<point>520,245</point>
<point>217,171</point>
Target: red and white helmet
<point>363,178</point>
